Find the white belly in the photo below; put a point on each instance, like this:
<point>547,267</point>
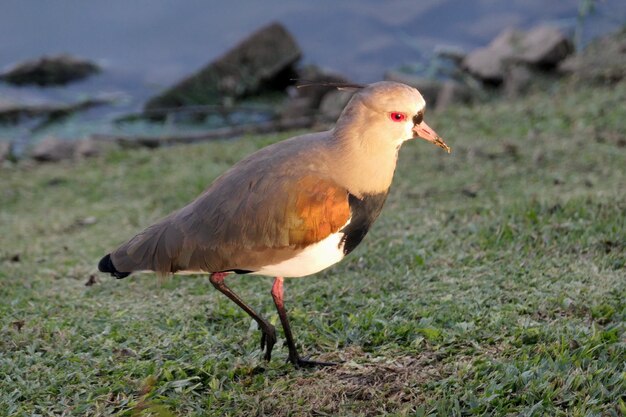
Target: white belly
<point>313,259</point>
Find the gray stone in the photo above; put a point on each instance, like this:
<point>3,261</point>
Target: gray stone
<point>262,62</point>
<point>570,64</point>
<point>313,74</point>
<point>451,53</point>
<point>13,111</point>
<point>306,97</point>
<point>333,103</point>
<point>487,63</point>
<point>16,111</point>
<point>517,80</point>
<point>88,148</point>
<point>604,60</point>
<point>544,46</point>
<point>295,107</point>
<point>452,93</point>
<point>5,150</point>
<point>50,70</point>
<point>428,87</point>
<point>51,149</point>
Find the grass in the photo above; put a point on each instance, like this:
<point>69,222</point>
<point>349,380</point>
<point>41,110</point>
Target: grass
<point>494,282</point>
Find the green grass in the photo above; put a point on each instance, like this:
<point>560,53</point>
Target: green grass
<point>494,282</point>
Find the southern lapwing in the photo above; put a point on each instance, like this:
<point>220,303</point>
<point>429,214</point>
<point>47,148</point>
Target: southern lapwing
<point>289,210</point>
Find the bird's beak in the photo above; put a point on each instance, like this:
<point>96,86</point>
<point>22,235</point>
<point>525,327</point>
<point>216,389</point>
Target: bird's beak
<point>425,132</point>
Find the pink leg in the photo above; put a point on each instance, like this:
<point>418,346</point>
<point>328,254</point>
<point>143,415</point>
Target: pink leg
<point>268,332</point>
<point>294,357</point>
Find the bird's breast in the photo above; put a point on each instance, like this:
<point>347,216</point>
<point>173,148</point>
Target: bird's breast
<point>330,250</point>
<point>364,212</point>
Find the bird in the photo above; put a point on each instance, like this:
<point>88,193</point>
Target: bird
<point>290,209</point>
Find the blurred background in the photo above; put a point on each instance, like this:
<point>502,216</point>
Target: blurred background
<point>143,47</point>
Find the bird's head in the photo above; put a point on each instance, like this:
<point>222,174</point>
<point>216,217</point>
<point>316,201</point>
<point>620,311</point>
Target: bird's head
<point>389,112</point>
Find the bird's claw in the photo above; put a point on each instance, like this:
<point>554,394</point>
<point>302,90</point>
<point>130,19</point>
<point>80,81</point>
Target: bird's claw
<point>268,340</point>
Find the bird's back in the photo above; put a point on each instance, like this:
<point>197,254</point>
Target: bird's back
<point>265,209</point>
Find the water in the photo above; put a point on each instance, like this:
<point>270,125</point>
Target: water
<point>146,45</point>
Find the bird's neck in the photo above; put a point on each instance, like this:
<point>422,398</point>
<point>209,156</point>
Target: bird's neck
<point>365,168</point>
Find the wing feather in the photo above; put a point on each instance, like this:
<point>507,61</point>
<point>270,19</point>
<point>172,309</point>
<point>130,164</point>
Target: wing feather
<point>240,227</point>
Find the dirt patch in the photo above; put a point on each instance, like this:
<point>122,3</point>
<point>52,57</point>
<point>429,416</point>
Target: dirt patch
<point>362,382</point>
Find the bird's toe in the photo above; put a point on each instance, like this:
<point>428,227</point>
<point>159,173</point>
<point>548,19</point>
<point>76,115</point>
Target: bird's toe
<point>299,362</point>
<point>268,340</point>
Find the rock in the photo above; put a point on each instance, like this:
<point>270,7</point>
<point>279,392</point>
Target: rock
<point>541,47</point>
<point>333,103</point>
<point>16,111</point>
<point>544,46</point>
<point>50,70</point>
<point>428,87</point>
<point>487,63</point>
<point>517,80</point>
<point>314,74</point>
<point>438,94</point>
<point>262,62</point>
<point>295,107</point>
<point>604,60</point>
<point>451,53</point>
<point>570,64</point>
<point>52,149</point>
<point>452,92</point>
<point>88,148</point>
<point>306,99</point>
<point>5,150</point>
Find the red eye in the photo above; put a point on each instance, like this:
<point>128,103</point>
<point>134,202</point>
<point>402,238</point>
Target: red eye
<point>397,116</point>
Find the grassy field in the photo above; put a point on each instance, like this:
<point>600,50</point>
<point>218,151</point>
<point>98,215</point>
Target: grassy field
<point>494,282</point>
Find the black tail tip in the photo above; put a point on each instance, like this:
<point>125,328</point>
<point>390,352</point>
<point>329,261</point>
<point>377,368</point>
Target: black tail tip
<point>106,265</point>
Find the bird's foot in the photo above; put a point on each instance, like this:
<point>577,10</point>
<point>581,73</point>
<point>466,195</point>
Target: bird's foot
<point>299,362</point>
<point>268,340</point>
